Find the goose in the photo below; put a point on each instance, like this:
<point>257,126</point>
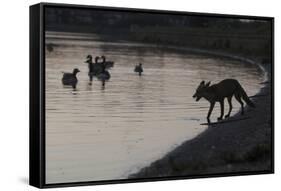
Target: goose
<point>108,64</point>
<point>70,78</point>
<point>139,69</point>
<point>104,75</point>
<point>97,67</point>
<point>89,61</point>
<point>94,68</point>
<point>50,47</point>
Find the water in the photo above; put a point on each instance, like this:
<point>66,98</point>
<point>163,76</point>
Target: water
<point>104,134</point>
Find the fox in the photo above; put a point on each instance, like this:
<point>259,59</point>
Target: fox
<point>218,92</point>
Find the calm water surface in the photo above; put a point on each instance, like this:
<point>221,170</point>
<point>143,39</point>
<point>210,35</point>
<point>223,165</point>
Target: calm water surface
<point>103,134</point>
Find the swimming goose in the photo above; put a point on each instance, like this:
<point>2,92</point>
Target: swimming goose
<point>89,61</point>
<point>104,75</point>
<point>97,67</point>
<point>108,64</point>
<point>50,47</point>
<point>91,66</point>
<point>70,78</point>
<point>94,68</point>
<point>139,69</point>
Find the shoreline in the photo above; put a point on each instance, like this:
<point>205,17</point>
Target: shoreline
<point>233,147</point>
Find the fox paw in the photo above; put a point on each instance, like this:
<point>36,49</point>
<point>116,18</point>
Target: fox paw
<point>219,118</point>
<point>226,116</point>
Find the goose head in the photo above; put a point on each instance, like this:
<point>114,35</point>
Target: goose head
<point>89,58</point>
<point>103,58</point>
<point>75,71</point>
<point>97,59</point>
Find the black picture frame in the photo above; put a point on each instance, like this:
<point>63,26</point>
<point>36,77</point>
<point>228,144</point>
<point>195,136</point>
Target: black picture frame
<point>37,164</point>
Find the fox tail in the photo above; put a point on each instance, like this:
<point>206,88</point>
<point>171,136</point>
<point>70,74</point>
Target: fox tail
<point>245,97</point>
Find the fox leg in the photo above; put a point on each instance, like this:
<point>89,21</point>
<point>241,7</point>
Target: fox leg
<point>210,111</point>
<point>222,110</point>
<point>230,107</point>
<point>240,101</point>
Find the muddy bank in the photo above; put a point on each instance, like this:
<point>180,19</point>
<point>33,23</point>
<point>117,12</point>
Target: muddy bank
<point>244,144</point>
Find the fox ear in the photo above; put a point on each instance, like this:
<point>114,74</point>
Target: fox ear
<point>202,83</point>
<point>208,84</point>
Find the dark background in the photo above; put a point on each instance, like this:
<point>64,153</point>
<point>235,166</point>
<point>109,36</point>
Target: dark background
<point>246,37</point>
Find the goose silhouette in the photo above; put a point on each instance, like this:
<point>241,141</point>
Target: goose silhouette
<point>108,64</point>
<point>90,63</point>
<point>104,75</point>
<point>139,69</point>
<point>50,47</point>
<point>97,67</point>
<point>94,67</point>
<point>70,79</point>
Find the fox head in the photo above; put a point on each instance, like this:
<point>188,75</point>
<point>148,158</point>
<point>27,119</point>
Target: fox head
<point>201,90</point>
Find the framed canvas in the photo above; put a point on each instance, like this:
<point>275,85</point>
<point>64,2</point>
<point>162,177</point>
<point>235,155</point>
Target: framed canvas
<point>122,95</point>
